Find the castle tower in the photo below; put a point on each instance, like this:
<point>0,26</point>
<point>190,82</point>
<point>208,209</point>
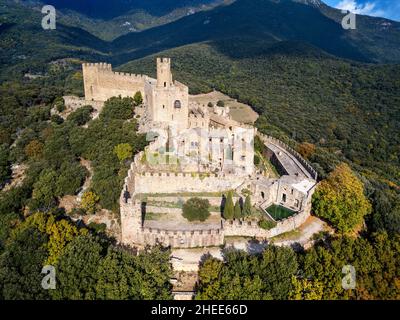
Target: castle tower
<point>164,75</point>
<point>167,102</point>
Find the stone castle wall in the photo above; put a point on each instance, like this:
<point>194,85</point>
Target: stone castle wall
<point>307,166</point>
<point>164,182</point>
<point>102,83</point>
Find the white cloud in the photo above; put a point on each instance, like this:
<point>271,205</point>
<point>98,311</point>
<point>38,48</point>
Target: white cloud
<point>368,8</point>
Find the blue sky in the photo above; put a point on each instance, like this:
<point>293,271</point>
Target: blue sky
<point>381,8</point>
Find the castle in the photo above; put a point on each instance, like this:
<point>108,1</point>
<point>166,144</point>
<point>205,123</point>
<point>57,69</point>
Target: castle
<point>196,150</point>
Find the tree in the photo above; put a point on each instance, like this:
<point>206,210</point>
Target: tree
<point>44,190</point>
<point>237,214</point>
<point>137,98</point>
<point>34,149</point>
<point>276,268</point>
<point>196,209</point>
<point>220,103</point>
<point>229,210</point>
<point>123,151</point>
<point>77,269</point>
<point>59,233</point>
<point>21,265</point>
<point>117,108</point>
<point>81,115</point>
<point>304,289</point>
<point>306,149</point>
<point>56,119</point>
<point>340,199</point>
<point>247,206</point>
<point>4,164</point>
<point>89,202</point>
<point>59,104</point>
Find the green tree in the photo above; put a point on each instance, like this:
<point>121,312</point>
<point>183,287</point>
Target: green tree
<point>340,199</point>
<point>123,151</point>
<point>117,108</point>
<point>56,119</point>
<point>137,98</point>
<point>237,214</point>
<point>220,103</point>
<point>89,202</point>
<point>4,164</point>
<point>44,190</point>
<point>81,115</point>
<point>21,265</point>
<point>124,276</point>
<point>59,104</point>
<point>229,208</point>
<point>247,206</point>
<point>196,209</point>
<point>77,269</point>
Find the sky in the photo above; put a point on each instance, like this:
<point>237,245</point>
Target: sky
<point>380,8</point>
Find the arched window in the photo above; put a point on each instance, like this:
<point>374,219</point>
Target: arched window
<point>177,104</point>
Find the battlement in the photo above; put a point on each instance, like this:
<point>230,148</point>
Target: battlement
<point>102,83</point>
<point>164,60</point>
<point>98,65</point>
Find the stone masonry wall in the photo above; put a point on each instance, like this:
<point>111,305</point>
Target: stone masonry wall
<point>101,83</point>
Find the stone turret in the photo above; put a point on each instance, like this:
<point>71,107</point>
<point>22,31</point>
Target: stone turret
<point>164,75</point>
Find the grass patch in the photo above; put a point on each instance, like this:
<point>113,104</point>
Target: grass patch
<point>154,216</point>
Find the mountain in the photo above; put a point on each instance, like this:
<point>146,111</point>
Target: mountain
<point>375,39</point>
<point>26,48</point>
<point>111,19</point>
<point>106,9</point>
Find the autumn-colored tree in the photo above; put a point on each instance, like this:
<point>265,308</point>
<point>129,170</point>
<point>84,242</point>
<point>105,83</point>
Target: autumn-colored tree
<point>89,202</point>
<point>340,199</point>
<point>229,208</point>
<point>34,149</point>
<point>59,233</point>
<point>304,289</point>
<point>306,149</point>
<point>123,151</point>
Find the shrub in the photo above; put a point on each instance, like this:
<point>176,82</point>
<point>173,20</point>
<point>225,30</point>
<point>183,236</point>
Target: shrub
<point>56,119</point>
<point>89,201</point>
<point>138,99</point>
<point>59,104</point>
<point>81,115</point>
<point>123,151</point>
<point>196,209</point>
<point>266,224</point>
<point>220,103</point>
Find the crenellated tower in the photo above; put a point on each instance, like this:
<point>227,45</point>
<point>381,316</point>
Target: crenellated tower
<point>164,75</point>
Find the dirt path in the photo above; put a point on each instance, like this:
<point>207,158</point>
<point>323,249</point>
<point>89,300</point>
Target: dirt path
<point>17,176</point>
